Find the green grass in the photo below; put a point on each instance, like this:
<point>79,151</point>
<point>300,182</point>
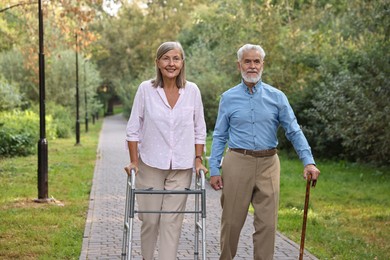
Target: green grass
<point>349,210</point>
<point>31,230</point>
<point>118,109</point>
<point>349,215</point>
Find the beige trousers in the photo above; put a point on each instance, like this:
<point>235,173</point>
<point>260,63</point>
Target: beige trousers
<point>168,226</point>
<point>246,180</point>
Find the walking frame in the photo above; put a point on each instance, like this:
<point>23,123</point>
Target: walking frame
<point>130,211</point>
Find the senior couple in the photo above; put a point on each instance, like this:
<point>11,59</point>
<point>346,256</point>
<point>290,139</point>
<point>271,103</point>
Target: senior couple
<point>166,134</point>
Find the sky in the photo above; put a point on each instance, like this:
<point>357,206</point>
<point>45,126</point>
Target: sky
<point>111,6</point>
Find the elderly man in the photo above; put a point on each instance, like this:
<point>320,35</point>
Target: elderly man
<point>248,118</point>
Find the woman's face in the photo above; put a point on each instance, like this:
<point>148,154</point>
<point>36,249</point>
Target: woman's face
<point>170,64</point>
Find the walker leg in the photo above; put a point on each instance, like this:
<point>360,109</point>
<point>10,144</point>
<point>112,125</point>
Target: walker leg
<point>203,219</point>
<point>201,183</point>
<point>204,238</point>
<point>127,245</point>
<point>129,218</point>
<point>126,224</point>
<point>196,236</point>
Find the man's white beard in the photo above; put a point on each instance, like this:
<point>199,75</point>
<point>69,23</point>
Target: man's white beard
<point>251,79</point>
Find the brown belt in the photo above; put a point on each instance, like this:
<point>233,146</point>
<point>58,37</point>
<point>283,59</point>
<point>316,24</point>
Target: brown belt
<point>259,153</point>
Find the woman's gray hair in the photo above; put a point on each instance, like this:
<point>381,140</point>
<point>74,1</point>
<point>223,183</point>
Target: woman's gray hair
<point>248,47</point>
<point>164,48</point>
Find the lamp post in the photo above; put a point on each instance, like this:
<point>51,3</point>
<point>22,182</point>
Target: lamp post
<point>85,96</point>
<point>42,143</point>
<point>77,95</point>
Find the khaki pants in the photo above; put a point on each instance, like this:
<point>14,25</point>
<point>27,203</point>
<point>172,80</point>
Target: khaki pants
<point>168,226</point>
<point>246,180</point>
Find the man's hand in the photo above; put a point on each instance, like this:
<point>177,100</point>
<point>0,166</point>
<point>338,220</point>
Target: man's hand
<point>312,171</point>
<point>216,182</point>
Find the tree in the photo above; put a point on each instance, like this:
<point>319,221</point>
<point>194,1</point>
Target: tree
<point>62,20</point>
<point>9,96</point>
<point>346,110</point>
<point>126,49</point>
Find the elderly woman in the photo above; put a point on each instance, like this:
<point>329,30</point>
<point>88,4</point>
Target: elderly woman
<point>166,134</point>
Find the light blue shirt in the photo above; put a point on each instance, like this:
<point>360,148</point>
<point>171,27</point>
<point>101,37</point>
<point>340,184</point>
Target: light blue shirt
<point>250,121</point>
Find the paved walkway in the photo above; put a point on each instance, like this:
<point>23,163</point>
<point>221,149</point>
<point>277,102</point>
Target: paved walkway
<point>104,226</point>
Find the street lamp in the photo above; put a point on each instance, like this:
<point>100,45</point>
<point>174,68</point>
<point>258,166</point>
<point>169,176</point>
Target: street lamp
<point>42,143</point>
<point>77,95</point>
<point>85,96</point>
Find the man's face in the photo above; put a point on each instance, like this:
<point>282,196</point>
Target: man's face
<point>251,67</point>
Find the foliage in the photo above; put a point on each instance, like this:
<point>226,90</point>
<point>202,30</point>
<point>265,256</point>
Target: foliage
<point>357,110</point>
<point>61,81</point>
<point>345,109</point>
<point>59,88</point>
<point>10,97</point>
<point>13,70</point>
<point>61,121</point>
<point>329,57</point>
<point>210,84</point>
<point>131,59</point>
<point>64,19</point>
<point>20,132</point>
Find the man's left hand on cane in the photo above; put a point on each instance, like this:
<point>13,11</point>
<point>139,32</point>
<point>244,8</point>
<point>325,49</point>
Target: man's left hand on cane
<point>312,171</point>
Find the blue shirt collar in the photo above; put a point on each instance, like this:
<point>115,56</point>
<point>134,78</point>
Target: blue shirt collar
<point>254,88</point>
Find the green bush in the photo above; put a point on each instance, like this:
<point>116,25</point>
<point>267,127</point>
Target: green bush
<point>345,111</point>
<point>19,132</point>
<point>62,120</point>
<point>10,97</point>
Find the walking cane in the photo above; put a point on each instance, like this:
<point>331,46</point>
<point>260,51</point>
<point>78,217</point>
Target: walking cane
<point>302,248</point>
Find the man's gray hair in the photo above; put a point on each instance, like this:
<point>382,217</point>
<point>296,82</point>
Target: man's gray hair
<point>248,47</point>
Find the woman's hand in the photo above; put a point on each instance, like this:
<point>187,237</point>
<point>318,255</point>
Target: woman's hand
<point>199,166</point>
<point>131,166</point>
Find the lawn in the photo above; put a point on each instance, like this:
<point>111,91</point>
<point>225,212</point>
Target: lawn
<point>349,215</point>
<point>349,211</point>
<point>31,230</point>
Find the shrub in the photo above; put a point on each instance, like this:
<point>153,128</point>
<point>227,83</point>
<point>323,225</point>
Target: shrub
<point>19,132</point>
<point>9,95</point>
<point>62,120</point>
